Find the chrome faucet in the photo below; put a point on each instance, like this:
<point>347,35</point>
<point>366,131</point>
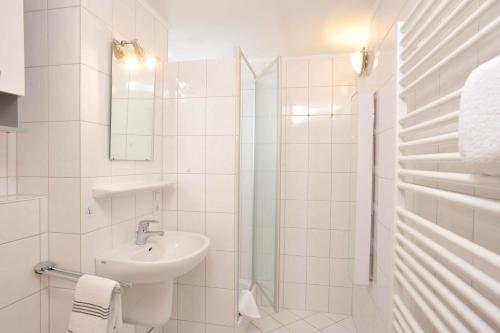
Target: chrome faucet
<point>143,232</point>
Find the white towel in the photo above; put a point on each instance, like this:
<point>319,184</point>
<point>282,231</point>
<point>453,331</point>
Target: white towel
<point>479,120</point>
<point>96,308</point>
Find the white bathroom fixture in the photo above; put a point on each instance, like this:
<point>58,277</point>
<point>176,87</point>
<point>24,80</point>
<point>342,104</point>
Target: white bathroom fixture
<point>359,62</point>
<point>152,268</point>
<point>103,191</point>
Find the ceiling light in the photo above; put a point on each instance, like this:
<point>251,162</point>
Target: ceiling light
<point>359,62</point>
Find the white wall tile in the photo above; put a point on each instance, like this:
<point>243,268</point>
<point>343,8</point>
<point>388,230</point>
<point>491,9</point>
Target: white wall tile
<point>144,27</point>
<point>320,158</point>
<point>297,73</point>
<point>95,155</point>
<point>64,152</point>
<point>318,214</point>
<point>191,192</point>
<point>33,5</point>
<point>220,154</point>
<point>123,14</point>
<point>294,295</point>
<point>318,243</point>
<point>320,72</point>
<point>103,9</point>
<point>318,271</point>
<point>220,269</point>
<point>19,220</point>
<point>95,96</point>
<point>95,41</point>
<point>32,145</point>
<point>320,100</point>
<point>94,243</point>
<point>191,116</point>
<point>17,278</point>
<point>320,129</point>
<point>295,269</point>
<point>191,154</point>
<point>34,105</point>
<point>219,307</point>
<point>317,298</point>
<point>36,51</point>
<point>192,79</point>
<point>22,316</point>
<point>64,205</point>
<point>296,213</point>
<point>62,3</point>
<point>221,116</point>
<point>297,101</point>
<point>295,242</point>
<point>64,92</point>
<point>220,193</point>
<point>296,130</point>
<point>319,186</point>
<point>191,303</point>
<point>220,230</point>
<point>221,78</point>
<point>64,36</point>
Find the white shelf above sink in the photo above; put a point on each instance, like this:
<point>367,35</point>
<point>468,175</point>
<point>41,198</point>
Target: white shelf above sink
<point>104,191</point>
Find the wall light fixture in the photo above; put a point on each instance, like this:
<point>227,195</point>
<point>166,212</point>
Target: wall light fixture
<point>121,50</point>
<point>359,62</point>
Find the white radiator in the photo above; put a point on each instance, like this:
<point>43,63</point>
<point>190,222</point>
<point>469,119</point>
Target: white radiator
<point>447,230</point>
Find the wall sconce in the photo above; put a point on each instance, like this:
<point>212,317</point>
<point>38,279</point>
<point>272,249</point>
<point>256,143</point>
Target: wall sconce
<point>121,51</point>
<point>359,62</point>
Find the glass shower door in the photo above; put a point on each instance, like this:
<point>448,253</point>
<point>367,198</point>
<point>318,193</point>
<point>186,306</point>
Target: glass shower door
<point>266,209</point>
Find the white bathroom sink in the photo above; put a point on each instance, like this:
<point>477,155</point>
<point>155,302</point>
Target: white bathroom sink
<point>161,258</point>
<point>152,268</point>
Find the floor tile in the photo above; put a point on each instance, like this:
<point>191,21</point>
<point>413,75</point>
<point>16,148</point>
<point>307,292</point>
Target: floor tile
<point>301,326</point>
<point>281,330</point>
<point>319,321</point>
<point>348,323</point>
<point>336,328</point>
<point>286,317</point>
<point>267,324</point>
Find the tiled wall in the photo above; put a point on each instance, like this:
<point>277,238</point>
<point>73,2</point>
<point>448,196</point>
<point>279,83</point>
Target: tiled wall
<point>372,305</point>
<point>23,243</point>
<point>7,163</point>
<point>200,145</point>
<point>318,184</point>
<point>63,149</point>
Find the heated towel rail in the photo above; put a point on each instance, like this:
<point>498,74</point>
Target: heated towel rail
<point>447,230</point>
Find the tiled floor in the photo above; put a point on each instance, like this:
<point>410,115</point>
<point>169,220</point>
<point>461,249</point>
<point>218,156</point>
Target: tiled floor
<point>292,321</point>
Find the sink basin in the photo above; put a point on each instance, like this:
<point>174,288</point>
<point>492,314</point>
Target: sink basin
<point>160,259</point>
<point>152,268</point>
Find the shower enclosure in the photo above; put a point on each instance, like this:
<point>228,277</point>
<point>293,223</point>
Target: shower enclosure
<point>259,196</point>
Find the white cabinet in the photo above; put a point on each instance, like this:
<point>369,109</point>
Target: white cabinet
<point>12,47</point>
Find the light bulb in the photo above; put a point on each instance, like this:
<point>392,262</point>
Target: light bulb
<point>150,62</point>
<point>131,62</point>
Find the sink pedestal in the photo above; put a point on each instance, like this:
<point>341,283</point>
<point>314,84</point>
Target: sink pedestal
<point>148,304</point>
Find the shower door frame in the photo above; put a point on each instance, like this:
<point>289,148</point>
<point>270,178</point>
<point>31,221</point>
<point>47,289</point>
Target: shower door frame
<point>277,262</point>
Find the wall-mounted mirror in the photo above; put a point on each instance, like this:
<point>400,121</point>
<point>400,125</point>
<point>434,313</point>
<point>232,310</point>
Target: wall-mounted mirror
<point>132,102</point>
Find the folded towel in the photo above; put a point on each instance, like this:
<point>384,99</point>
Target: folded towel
<point>479,119</point>
<point>96,308</point>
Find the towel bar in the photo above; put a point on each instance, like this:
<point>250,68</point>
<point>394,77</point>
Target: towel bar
<point>49,268</point>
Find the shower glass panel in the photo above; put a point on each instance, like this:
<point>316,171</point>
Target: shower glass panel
<point>267,181</point>
<point>246,183</point>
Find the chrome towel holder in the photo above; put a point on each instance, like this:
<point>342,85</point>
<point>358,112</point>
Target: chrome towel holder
<point>49,268</point>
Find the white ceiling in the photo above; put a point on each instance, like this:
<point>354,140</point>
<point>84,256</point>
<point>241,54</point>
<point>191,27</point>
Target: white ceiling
<point>264,28</point>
